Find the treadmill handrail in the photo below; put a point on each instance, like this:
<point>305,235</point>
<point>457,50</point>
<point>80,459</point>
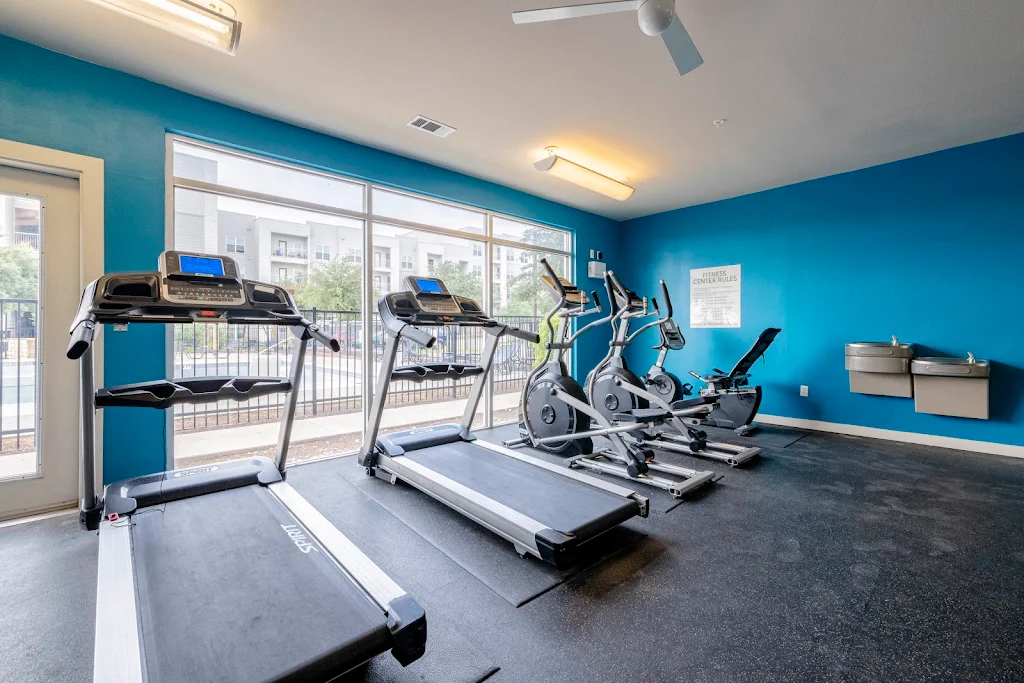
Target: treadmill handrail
<point>434,372</point>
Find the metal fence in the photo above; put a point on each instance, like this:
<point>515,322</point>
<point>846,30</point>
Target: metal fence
<point>332,382</point>
<point>18,318</point>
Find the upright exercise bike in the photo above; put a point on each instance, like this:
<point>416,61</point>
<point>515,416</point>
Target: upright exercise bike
<point>557,418</point>
<point>658,380</point>
<point>613,389</point>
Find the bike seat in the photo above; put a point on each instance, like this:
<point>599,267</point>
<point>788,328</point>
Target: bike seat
<point>641,415</point>
<point>695,402</point>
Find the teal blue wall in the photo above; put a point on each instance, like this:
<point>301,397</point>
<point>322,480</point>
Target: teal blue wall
<point>55,101</point>
<point>930,249</point>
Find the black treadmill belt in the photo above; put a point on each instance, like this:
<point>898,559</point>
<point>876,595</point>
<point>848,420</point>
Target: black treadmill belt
<point>225,594</point>
<point>550,498</point>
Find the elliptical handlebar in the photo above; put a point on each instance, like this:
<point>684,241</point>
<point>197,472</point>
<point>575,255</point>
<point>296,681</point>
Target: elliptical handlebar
<point>597,301</point>
<point>617,283</point>
<point>667,299</point>
<point>554,279</point>
<point>613,302</point>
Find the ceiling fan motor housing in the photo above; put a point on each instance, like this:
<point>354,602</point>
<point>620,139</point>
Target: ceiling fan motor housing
<point>654,16</point>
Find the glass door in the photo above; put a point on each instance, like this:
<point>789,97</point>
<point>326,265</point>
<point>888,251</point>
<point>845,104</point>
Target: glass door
<point>39,293</point>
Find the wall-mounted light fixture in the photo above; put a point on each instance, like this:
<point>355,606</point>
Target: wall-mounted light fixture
<point>561,167</point>
<point>209,23</point>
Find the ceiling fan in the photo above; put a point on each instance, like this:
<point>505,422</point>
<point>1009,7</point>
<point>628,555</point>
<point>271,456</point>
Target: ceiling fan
<point>656,18</point>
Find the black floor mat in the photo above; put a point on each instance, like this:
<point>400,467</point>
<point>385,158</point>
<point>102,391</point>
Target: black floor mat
<point>449,658</point>
<point>768,436</point>
<point>839,558</point>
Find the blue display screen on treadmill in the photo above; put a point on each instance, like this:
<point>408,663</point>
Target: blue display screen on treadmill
<point>429,286</point>
<point>198,265</point>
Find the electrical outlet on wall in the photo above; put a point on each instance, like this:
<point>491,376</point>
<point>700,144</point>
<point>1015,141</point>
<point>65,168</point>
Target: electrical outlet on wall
<point>803,390</point>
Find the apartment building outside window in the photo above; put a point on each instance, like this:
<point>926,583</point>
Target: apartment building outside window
<point>289,223</point>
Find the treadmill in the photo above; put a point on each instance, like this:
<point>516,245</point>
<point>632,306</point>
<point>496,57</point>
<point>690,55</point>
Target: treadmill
<point>545,510</point>
<point>222,572</point>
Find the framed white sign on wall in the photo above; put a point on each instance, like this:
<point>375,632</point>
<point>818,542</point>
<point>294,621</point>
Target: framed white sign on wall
<point>715,296</point>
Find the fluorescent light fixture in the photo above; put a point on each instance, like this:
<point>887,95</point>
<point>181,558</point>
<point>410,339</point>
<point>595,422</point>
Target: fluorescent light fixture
<point>560,167</point>
<point>212,24</point>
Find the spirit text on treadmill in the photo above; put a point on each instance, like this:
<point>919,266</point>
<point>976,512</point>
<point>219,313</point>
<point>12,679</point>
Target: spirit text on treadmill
<point>299,538</point>
<point>199,470</point>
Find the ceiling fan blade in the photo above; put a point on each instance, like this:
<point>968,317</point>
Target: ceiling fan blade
<point>680,46</point>
<point>574,11</point>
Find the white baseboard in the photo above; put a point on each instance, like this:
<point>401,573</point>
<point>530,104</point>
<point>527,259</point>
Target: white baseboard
<point>893,435</point>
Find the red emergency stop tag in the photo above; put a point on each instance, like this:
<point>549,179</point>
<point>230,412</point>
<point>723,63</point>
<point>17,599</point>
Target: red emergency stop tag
<point>112,517</point>
<point>208,314</point>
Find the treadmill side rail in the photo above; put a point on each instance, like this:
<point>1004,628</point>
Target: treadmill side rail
<point>117,654</point>
<point>406,618</point>
<point>501,519</point>
<point>361,568</point>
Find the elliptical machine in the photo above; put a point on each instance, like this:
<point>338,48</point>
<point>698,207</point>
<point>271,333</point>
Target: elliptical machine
<point>613,389</point>
<point>557,418</point>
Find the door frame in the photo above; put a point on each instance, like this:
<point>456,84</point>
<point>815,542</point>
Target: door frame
<point>89,173</point>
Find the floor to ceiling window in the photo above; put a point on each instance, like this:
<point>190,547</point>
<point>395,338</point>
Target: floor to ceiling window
<point>307,230</point>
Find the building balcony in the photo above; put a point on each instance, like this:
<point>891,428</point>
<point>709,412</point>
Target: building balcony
<point>29,238</point>
<point>290,253</point>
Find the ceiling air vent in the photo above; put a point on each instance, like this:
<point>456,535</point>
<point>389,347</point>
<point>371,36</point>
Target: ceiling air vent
<point>431,126</point>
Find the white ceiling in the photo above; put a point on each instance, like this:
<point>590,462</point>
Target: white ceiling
<point>809,88</point>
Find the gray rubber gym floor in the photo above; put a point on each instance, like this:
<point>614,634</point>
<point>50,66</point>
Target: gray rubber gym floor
<point>832,559</point>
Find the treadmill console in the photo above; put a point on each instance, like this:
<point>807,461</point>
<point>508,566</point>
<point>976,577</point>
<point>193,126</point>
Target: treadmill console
<point>432,295</point>
<point>574,296</point>
<point>428,302</point>
<point>200,279</point>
